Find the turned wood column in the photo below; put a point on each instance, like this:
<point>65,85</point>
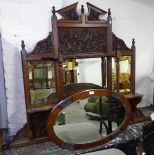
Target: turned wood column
<point>57,56</point>
<point>117,74</point>
<point>109,50</point>
<point>133,66</point>
<point>104,71</point>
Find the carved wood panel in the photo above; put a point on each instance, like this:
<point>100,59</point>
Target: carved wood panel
<point>44,46</point>
<point>93,15</point>
<point>79,40</point>
<point>71,14</point>
<point>39,123</point>
<point>119,42</point>
<point>82,40</point>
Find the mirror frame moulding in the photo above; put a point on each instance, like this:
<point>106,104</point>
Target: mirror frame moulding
<point>82,95</point>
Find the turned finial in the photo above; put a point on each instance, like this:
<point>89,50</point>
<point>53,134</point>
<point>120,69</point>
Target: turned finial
<point>133,45</point>
<point>22,44</point>
<point>109,12</point>
<point>133,42</point>
<point>82,8</point>
<point>53,10</point>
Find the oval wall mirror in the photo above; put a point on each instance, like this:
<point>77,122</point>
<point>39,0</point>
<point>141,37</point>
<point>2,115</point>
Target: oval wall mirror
<point>88,119</point>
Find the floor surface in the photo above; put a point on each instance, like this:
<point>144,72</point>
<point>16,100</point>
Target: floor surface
<point>48,148</point>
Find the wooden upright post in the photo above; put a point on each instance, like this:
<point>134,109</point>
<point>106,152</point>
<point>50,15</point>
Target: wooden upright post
<point>54,34</point>
<point>109,50</point>
<point>117,75</point>
<point>26,88</point>
<point>25,75</point>
<point>133,66</point>
<point>109,33</point>
<point>59,80</point>
<point>57,65</point>
<point>104,71</point>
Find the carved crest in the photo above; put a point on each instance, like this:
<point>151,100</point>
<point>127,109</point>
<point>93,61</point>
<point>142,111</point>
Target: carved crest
<point>94,12</point>
<point>117,41</point>
<point>44,46</point>
<point>69,12</point>
<point>79,40</point>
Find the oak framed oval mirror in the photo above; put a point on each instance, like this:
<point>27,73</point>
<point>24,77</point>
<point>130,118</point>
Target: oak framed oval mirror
<point>88,119</point>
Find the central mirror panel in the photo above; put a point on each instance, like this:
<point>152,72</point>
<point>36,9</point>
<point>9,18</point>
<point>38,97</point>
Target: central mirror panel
<point>89,120</point>
<point>82,71</point>
<point>41,80</point>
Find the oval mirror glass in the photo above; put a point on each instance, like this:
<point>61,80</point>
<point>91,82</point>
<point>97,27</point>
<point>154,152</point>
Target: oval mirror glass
<point>87,118</point>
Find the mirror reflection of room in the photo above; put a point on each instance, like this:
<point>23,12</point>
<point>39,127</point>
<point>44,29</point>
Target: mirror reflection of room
<point>41,80</point>
<point>69,71</point>
<point>82,71</point>
<point>121,71</point>
<point>89,119</point>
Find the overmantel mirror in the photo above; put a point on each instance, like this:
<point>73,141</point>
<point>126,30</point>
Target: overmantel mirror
<point>88,119</point>
<point>61,65</point>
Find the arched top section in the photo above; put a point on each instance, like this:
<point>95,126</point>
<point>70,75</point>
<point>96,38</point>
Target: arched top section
<point>80,36</point>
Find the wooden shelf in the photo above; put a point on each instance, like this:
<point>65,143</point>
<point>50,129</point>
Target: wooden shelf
<point>52,101</point>
<point>39,108</point>
<point>131,96</point>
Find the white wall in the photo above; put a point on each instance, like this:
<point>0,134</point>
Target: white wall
<point>30,21</point>
<point>21,20</point>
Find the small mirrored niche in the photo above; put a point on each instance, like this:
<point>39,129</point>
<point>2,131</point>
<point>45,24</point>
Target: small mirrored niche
<point>121,72</point>
<point>89,120</point>
<point>41,80</point>
<point>69,71</point>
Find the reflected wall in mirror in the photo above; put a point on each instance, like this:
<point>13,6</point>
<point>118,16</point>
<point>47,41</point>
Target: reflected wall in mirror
<point>88,117</point>
<point>82,71</point>
<point>121,72</point>
<point>41,80</point>
<point>89,71</point>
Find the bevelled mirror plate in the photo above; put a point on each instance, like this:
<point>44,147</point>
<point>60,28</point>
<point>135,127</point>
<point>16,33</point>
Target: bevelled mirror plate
<point>88,119</point>
<point>41,80</point>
